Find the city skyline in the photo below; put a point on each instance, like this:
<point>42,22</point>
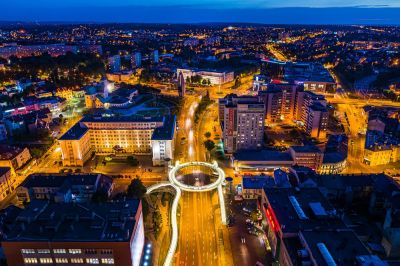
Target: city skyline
<point>200,143</point>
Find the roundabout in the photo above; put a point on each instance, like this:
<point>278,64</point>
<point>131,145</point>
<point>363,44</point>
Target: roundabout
<point>180,186</point>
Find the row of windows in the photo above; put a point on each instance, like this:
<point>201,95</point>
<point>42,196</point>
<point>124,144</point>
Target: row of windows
<point>46,251</point>
<point>64,251</point>
<point>65,260</point>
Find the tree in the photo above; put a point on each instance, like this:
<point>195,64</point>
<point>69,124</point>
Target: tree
<point>207,135</point>
<point>132,161</point>
<point>237,83</point>
<point>136,189</point>
<point>37,153</point>
<point>209,144</point>
<point>196,79</point>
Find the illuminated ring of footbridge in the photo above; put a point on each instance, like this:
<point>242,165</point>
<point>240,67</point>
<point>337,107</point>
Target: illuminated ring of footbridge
<point>178,186</point>
<point>216,185</point>
<point>214,166</point>
<point>174,223</point>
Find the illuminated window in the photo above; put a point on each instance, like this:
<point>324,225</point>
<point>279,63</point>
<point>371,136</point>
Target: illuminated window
<point>106,251</point>
<point>107,261</point>
<point>92,261</point>
<point>43,251</point>
<point>46,260</point>
<point>61,260</point>
<point>59,251</point>
<point>30,260</point>
<point>27,251</point>
<point>77,260</point>
<point>75,251</point>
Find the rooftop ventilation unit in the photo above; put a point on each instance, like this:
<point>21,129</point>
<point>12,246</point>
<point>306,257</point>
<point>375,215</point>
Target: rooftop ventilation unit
<point>297,208</point>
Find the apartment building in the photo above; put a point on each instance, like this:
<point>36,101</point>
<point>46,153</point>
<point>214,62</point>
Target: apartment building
<point>312,113</point>
<point>280,101</point>
<point>14,157</point>
<point>243,124</point>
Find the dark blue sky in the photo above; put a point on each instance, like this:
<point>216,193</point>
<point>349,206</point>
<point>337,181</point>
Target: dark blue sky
<point>194,11</point>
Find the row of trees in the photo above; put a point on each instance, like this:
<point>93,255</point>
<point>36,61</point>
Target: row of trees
<point>197,79</point>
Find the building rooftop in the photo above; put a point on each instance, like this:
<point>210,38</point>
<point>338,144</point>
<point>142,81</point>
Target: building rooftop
<point>58,180</point>
<point>305,148</point>
<point>4,170</point>
<point>298,209</point>
<point>318,107</point>
<point>8,152</point>
<point>343,246</point>
<point>262,155</point>
<point>75,132</point>
<point>46,221</point>
<point>111,119</point>
<point>255,182</point>
<point>167,131</point>
<point>334,157</point>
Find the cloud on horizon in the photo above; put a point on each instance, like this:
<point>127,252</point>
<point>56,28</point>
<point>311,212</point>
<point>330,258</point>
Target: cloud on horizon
<point>194,14</point>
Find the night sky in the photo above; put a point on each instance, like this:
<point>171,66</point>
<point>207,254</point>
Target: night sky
<point>195,11</point>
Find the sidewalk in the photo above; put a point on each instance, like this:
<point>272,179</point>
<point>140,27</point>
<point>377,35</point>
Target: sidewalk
<point>224,245</point>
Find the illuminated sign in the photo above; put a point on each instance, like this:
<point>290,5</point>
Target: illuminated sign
<point>272,219</point>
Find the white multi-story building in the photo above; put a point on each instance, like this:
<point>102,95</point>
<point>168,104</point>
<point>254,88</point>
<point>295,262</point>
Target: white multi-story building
<point>130,135</point>
<point>215,77</point>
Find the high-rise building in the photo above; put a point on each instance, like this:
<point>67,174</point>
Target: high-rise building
<point>136,59</point>
<point>155,57</point>
<point>44,232</point>
<point>243,124</point>
<point>317,121</point>
<point>181,85</point>
<point>114,63</point>
<point>131,135</point>
<point>280,101</point>
<point>313,114</point>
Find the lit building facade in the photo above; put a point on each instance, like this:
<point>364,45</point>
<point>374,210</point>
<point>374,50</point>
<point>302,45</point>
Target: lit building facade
<point>7,182</point>
<point>280,101</point>
<point>313,114</point>
<point>381,154</point>
<point>14,157</point>
<point>243,126</point>
<point>110,233</point>
<point>309,156</point>
<point>131,135</point>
